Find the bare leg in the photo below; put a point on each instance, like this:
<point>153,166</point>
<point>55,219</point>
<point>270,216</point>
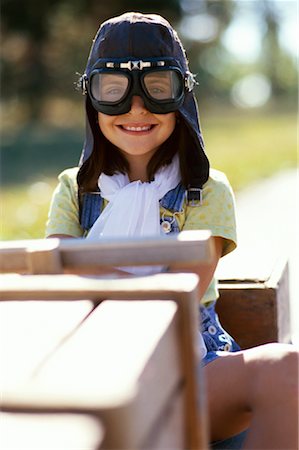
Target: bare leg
<point>256,388</point>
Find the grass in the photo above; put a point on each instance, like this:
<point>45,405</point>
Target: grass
<point>246,146</point>
<point>24,209</point>
<point>250,147</point>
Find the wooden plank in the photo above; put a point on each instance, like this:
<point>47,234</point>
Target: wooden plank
<point>197,425</point>
<point>188,247</point>
<point>118,375</point>
<point>183,288</point>
<point>168,430</point>
<point>79,287</point>
<point>50,432</point>
<point>283,307</point>
<point>256,312</point>
<point>238,268</point>
<point>248,313</point>
<point>31,331</point>
<point>44,257</point>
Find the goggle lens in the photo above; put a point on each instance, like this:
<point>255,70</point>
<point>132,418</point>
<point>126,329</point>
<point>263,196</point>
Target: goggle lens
<point>162,85</point>
<point>109,87</point>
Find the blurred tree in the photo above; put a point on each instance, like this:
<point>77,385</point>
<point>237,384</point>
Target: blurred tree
<point>24,29</point>
<point>44,43</point>
<point>274,62</point>
<point>201,28</point>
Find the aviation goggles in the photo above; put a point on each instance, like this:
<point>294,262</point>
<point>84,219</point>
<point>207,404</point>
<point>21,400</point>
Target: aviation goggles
<point>160,82</point>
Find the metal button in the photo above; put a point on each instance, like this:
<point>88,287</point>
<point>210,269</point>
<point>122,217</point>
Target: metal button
<point>212,330</point>
<point>166,226</point>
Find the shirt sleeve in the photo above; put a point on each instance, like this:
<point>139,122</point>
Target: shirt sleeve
<point>63,217</point>
<point>217,212</point>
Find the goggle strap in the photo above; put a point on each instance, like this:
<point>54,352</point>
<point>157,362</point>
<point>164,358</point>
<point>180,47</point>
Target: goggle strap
<point>189,79</point>
<point>134,65</point>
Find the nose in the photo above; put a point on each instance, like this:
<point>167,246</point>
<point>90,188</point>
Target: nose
<point>137,104</point>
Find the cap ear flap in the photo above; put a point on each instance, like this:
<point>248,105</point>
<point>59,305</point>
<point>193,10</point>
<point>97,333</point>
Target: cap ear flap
<point>194,162</point>
<point>91,129</point>
<point>198,163</point>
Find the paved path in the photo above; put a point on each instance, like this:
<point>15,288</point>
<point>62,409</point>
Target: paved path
<point>268,214</point>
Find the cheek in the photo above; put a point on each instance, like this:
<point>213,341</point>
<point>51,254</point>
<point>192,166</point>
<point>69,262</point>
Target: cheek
<point>171,122</point>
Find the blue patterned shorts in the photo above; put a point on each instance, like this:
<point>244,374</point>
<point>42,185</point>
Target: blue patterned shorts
<point>215,337</point>
<point>218,340</point>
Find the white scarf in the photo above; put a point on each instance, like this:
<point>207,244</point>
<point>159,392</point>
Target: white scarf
<point>133,208</point>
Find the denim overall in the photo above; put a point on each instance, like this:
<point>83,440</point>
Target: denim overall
<point>215,337</point>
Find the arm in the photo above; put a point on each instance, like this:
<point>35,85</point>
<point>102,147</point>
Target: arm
<point>63,218</point>
<point>204,271</point>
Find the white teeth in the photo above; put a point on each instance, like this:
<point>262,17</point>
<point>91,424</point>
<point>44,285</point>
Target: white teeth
<point>146,128</point>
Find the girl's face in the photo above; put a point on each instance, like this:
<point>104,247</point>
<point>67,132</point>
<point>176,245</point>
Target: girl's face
<point>139,133</point>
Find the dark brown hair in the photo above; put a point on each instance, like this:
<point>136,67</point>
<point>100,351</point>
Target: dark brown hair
<point>106,158</point>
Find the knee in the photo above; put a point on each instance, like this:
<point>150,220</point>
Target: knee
<point>287,365</point>
<point>272,356</point>
<point>290,355</point>
<point>273,371</point>
<point>290,368</point>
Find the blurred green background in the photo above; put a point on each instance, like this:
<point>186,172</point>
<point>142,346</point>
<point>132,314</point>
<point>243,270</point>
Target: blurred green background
<point>243,52</point>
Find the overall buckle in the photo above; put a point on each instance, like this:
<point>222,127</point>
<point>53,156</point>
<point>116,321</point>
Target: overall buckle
<point>194,196</point>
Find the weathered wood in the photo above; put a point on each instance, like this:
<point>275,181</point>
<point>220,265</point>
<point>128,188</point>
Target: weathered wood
<point>59,390</point>
<point>31,331</point>
<point>188,247</point>
<point>256,311</point>
<point>129,369</point>
<point>79,287</point>
<point>168,429</point>
<point>43,257</point>
<point>50,432</point>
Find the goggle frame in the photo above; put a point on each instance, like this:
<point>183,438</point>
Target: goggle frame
<point>131,68</point>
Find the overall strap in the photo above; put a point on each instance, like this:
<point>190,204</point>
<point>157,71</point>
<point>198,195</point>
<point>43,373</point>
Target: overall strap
<point>173,200</point>
<point>91,205</point>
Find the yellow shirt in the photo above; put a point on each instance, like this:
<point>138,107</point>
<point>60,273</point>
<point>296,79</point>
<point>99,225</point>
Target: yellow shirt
<point>216,213</point>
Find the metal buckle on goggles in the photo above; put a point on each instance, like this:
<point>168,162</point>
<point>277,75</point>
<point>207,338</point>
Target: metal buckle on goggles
<point>161,84</point>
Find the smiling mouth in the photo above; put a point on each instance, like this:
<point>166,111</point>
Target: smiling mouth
<point>137,129</point>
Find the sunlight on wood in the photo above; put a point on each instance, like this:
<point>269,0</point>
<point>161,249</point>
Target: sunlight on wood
<point>49,432</point>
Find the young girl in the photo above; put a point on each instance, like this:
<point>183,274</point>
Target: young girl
<point>143,172</point>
